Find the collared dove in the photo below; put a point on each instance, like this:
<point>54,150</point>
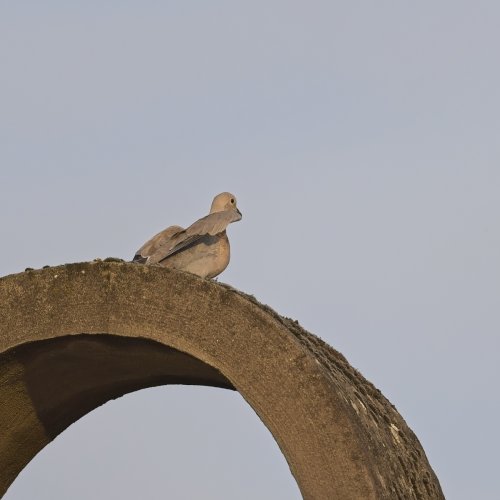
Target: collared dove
<point>201,249</point>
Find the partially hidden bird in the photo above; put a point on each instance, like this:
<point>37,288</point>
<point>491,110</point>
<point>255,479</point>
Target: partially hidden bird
<point>202,248</point>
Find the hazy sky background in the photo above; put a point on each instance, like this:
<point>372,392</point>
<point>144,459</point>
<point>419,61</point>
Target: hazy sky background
<point>362,140</point>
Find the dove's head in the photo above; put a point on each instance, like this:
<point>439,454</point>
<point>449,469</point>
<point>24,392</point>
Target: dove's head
<point>223,202</point>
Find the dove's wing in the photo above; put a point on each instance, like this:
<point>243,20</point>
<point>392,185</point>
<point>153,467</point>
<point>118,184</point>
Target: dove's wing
<point>158,240</point>
<point>209,225</point>
<point>213,224</point>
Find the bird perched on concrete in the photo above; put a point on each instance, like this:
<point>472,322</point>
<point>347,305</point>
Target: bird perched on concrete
<point>202,248</point>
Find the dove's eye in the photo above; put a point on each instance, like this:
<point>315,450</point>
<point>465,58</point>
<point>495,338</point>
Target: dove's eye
<point>232,201</point>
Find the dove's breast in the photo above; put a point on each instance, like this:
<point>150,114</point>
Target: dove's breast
<point>207,258</point>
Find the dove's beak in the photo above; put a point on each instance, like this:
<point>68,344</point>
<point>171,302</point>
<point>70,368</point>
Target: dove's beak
<point>241,215</point>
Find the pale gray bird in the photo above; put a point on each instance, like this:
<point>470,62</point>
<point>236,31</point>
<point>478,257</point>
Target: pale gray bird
<point>202,248</point>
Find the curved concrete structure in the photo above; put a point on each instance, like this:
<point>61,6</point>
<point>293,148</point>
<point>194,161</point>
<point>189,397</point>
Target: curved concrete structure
<point>75,336</point>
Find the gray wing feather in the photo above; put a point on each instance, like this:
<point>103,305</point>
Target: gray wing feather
<point>158,240</point>
<point>211,224</point>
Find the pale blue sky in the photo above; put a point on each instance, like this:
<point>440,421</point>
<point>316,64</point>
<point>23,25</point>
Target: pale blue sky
<point>362,140</point>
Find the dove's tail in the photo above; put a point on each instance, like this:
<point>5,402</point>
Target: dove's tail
<point>139,259</point>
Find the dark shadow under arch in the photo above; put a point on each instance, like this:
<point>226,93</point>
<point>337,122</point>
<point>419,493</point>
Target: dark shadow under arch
<point>73,337</point>
<point>69,376</point>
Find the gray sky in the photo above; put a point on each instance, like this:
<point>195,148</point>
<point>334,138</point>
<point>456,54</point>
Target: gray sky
<point>362,141</point>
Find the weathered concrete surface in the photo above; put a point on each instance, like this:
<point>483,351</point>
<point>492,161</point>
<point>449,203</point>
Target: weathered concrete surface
<point>76,336</point>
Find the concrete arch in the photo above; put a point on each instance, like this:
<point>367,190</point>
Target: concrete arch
<point>75,336</point>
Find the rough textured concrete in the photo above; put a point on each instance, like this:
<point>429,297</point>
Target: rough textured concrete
<point>76,336</point>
